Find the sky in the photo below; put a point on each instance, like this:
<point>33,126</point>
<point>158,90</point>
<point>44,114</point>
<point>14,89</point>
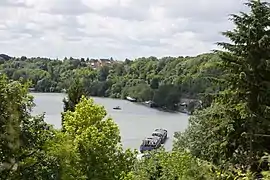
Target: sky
<point>113,28</point>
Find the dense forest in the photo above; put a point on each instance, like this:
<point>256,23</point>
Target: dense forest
<point>227,139</point>
<point>163,81</point>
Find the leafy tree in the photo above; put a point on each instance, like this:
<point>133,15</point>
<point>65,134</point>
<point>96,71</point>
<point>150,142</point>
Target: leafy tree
<point>154,83</point>
<point>13,108</point>
<point>75,92</point>
<point>232,129</point>
<point>96,141</point>
<point>141,92</point>
<point>167,95</point>
<point>62,148</point>
<point>247,61</point>
<point>33,161</point>
<point>23,137</point>
<point>103,73</point>
<point>23,58</point>
<point>174,165</point>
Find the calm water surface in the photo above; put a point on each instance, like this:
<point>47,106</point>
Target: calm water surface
<point>135,121</point>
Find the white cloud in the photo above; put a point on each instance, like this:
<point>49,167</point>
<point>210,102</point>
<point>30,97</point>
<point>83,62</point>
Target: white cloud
<point>118,28</point>
<point>16,3</point>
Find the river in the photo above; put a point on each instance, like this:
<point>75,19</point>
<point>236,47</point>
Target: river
<point>135,121</point>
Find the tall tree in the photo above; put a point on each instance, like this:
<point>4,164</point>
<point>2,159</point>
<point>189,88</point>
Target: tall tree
<point>22,137</point>
<point>13,107</point>
<point>246,63</point>
<point>235,128</point>
<point>75,92</point>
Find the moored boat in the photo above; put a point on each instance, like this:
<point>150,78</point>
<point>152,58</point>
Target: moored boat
<point>150,143</point>
<point>161,133</point>
<point>131,99</point>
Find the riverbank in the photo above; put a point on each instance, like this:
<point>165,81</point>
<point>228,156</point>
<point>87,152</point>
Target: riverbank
<point>180,109</point>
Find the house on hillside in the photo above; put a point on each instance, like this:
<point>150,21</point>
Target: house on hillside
<point>95,63</point>
<point>104,62</point>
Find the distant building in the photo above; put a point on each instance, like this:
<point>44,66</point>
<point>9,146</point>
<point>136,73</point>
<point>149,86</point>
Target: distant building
<point>95,63</point>
<point>105,62</point>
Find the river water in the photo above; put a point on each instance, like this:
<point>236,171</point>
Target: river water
<point>135,121</point>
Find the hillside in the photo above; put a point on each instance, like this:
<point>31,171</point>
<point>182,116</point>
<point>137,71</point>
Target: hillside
<point>164,81</point>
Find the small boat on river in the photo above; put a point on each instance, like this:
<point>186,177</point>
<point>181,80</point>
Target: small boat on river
<point>117,108</point>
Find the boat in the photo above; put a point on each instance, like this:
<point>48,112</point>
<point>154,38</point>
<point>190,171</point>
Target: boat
<point>131,99</point>
<point>117,108</point>
<point>150,143</point>
<point>150,104</point>
<point>162,133</point>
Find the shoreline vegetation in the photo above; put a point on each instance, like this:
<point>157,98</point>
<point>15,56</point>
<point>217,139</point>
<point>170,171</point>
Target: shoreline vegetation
<point>164,81</point>
<point>227,137</point>
<point>181,108</point>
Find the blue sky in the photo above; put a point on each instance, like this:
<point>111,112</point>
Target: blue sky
<point>113,28</point>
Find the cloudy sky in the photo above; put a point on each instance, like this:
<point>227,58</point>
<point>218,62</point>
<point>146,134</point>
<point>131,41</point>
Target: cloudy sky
<point>113,28</point>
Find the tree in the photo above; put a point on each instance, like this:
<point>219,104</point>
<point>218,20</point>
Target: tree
<point>232,129</point>
<point>23,58</point>
<point>154,84</point>
<point>103,73</point>
<point>13,108</point>
<point>176,165</point>
<point>33,160</point>
<point>247,59</point>
<point>23,137</point>
<point>167,96</point>
<point>141,92</point>
<point>75,92</point>
<point>96,141</point>
<point>62,148</point>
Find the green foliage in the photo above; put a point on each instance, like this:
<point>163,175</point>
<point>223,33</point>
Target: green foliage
<point>231,132</point>
<point>224,140</point>
<point>61,147</point>
<point>74,92</point>
<point>167,96</point>
<point>34,161</point>
<point>22,136</point>
<point>13,105</point>
<point>96,142</point>
<point>142,92</point>
<point>89,148</point>
<point>139,78</point>
<point>30,149</point>
<point>174,165</point>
